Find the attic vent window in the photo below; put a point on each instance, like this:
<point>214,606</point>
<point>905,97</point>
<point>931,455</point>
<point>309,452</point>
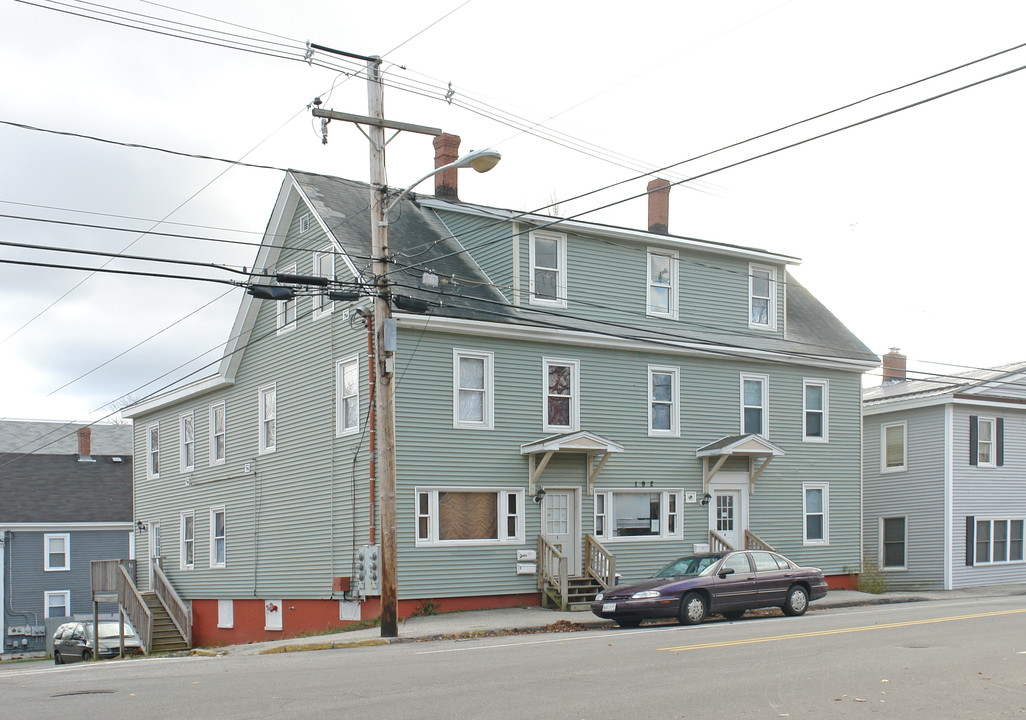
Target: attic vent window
<point>116,459</point>
<point>304,223</point>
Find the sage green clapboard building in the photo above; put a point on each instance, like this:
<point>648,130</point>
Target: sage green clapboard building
<point>622,394</point>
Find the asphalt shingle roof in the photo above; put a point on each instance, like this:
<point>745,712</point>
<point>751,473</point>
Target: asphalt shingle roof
<point>60,488</point>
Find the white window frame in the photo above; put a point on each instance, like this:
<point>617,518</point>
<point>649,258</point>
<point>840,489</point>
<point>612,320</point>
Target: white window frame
<point>184,541</point>
<point>487,421</point>
<point>771,307</point>
<point>47,539</point>
<point>213,434</point>
<point>502,515</point>
<point>825,489</point>
<point>47,594</point>
<point>263,446</point>
<point>674,373</point>
<point>561,286</point>
<point>322,305</point>
<point>764,379</point>
<point>825,411</point>
<point>606,509</point>
<point>673,286</point>
<point>153,451</point>
<point>186,446</point>
<point>226,613</point>
<point>1008,540</point>
<point>904,447</point>
<point>214,511</point>
<point>286,308</point>
<point>991,444</point>
<point>342,367</point>
<point>575,395</point>
<point>904,543</point>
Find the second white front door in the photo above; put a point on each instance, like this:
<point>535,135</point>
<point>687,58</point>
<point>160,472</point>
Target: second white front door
<point>559,526</point>
<point>727,516</point>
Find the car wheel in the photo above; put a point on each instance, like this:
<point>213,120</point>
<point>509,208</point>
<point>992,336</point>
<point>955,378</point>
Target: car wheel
<point>734,614</point>
<point>627,622</point>
<point>57,659</point>
<point>87,654</point>
<point>797,601</point>
<point>692,609</point>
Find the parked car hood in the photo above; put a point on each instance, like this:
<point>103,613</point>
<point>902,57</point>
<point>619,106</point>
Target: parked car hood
<point>652,584</point>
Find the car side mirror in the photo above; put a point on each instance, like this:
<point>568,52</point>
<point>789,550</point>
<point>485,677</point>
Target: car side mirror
<point>724,572</point>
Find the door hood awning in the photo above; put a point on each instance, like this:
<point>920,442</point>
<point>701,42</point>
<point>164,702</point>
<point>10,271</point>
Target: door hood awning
<point>751,445</point>
<point>594,446</point>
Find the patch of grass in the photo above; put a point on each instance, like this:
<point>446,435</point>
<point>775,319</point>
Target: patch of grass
<point>426,607</point>
<point>869,578</point>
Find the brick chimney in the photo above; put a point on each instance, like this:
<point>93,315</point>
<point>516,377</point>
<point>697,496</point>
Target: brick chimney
<point>447,150</point>
<point>893,367</point>
<point>659,206</point>
<point>84,438</point>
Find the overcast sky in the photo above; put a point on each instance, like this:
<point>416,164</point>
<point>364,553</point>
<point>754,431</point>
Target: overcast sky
<point>908,227</point>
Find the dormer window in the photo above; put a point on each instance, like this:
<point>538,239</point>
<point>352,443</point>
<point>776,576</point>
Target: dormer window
<point>762,297</point>
<point>548,269</point>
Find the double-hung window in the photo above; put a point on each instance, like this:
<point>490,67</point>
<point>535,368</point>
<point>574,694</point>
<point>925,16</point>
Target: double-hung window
<point>816,513</point>
<point>469,516</point>
<point>187,549</point>
<point>57,603</point>
<point>323,266</point>
<point>762,296</point>
<point>893,437</point>
<point>287,309</point>
<point>893,542</point>
<point>268,419</point>
<point>663,401</point>
<point>662,283</point>
<point>816,395</point>
<point>218,538</point>
<point>561,381</point>
<point>986,441</point>
<point>638,514</point>
<point>754,400</point>
<point>473,389</point>
<point>153,451</point>
<point>347,394</point>
<point>187,441</point>
<point>999,541</point>
<point>548,269</point>
<point>217,434</point>
<point>56,551</point>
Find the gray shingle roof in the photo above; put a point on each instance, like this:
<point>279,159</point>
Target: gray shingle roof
<point>58,438</point>
<point>937,385</point>
<point>60,488</point>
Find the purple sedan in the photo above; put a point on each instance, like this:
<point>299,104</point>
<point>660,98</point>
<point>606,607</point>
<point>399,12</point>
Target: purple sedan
<point>728,583</point>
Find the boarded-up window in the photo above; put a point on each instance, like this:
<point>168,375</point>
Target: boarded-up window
<point>467,516</point>
<point>472,516</point>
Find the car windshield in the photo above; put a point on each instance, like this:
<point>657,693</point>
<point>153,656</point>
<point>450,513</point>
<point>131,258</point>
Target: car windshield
<point>111,630</point>
<point>690,565</point>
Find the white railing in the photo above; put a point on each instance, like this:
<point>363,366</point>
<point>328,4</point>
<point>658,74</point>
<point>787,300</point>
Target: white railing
<point>599,563</point>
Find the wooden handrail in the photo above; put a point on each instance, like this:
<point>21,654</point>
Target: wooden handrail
<point>717,543</point>
<point>754,542</point>
<point>599,563</point>
<point>172,603</point>
<point>552,569</point>
<point>135,607</point>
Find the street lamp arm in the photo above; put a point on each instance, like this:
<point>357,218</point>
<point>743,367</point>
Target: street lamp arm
<point>481,160</point>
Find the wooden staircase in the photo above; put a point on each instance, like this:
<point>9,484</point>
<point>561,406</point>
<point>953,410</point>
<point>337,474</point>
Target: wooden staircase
<point>165,635</point>
<point>582,592</point>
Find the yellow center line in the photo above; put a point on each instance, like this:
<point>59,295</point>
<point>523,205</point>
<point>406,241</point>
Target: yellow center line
<point>840,631</point>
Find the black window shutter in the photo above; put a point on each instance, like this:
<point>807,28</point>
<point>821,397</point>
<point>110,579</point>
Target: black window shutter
<point>970,540</point>
<point>999,441</point>
<point>974,429</point>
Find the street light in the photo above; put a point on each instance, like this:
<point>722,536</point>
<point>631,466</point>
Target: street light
<point>481,160</point>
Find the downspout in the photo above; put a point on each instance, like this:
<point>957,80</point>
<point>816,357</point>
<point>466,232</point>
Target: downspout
<point>949,494</point>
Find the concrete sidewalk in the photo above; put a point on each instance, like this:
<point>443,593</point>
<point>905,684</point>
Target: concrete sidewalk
<point>525,620</point>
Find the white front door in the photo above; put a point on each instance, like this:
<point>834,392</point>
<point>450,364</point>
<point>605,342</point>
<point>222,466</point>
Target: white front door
<point>727,516</point>
<point>559,526</point>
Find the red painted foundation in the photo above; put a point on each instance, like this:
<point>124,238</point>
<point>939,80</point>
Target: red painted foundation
<point>842,582</point>
<point>303,617</point>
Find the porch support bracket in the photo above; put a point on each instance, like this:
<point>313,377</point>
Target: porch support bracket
<point>708,474</point>
<point>536,469</point>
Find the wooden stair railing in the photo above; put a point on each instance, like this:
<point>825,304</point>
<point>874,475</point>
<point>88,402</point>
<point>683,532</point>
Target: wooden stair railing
<point>173,604</point>
<point>552,572</point>
<point>754,542</point>
<point>599,563</point>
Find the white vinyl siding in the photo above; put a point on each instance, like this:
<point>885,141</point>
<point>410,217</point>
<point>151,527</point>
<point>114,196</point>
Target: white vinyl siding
<point>893,443</point>
<point>268,419</point>
<point>187,441</point>
<point>469,516</point>
<point>662,284</point>
<point>548,269</point>
<point>347,393</point>
<point>473,389</point>
<point>638,515</point>
<point>663,401</point>
<point>56,551</point>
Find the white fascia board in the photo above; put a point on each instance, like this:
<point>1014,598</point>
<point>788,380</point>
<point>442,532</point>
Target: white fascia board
<point>990,403</point>
<point>583,338</point>
<point>881,407</point>
<point>204,385</point>
<point>66,527</point>
<point>607,231</point>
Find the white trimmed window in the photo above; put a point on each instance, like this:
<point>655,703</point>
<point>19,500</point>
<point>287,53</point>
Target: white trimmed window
<point>548,269</point>
<point>469,516</point>
<point>999,541</point>
<point>639,515</point>
<point>663,401</point>
<point>187,441</point>
<point>57,603</point>
<point>662,283</point>
<point>893,438</point>
<point>187,544</point>
<point>815,416</point>
<point>287,309</point>
<point>56,551</point>
<point>268,418</point>
<point>985,442</point>
<point>225,613</point>
<point>218,537</point>
<point>153,451</point>
<point>347,395</point>
<point>893,543</point>
<point>473,389</point>
<point>754,401</point>
<point>762,296</point>
<point>816,511</point>
<point>323,266</point>
<point>218,434</point>
<point>561,382</point>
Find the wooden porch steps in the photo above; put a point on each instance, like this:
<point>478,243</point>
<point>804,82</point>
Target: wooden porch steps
<point>580,594</point>
<point>166,637</point>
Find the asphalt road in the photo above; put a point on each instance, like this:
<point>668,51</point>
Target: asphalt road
<point>939,659</point>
